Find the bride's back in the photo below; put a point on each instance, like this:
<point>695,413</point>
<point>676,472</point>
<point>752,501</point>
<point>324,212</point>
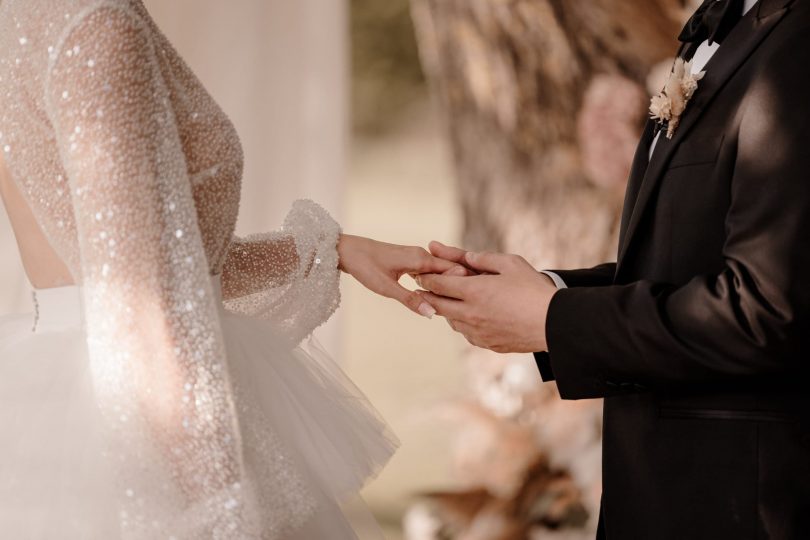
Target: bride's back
<point>44,268</point>
<point>24,134</point>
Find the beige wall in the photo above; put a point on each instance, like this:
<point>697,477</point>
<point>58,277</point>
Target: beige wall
<point>279,70</point>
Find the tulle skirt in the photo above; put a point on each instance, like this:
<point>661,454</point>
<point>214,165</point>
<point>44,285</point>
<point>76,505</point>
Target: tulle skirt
<point>310,438</point>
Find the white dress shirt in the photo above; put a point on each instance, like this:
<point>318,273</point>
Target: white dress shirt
<point>702,56</point>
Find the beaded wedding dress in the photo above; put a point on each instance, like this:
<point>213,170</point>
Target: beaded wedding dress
<point>163,394</point>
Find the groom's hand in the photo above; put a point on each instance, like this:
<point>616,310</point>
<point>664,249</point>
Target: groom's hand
<point>455,255</point>
<point>503,308</point>
<point>379,266</point>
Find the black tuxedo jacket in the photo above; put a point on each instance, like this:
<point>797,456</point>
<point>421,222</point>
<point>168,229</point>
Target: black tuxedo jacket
<point>699,337</point>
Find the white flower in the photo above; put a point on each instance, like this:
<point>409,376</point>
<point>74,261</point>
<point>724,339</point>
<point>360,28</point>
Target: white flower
<point>422,523</point>
<point>674,91</point>
<point>660,108</point>
<point>689,82</point>
<point>668,106</point>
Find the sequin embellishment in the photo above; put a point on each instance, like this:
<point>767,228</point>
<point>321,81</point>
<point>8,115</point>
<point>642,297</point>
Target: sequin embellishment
<point>134,174</point>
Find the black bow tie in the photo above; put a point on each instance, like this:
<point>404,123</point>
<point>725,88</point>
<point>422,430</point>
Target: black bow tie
<point>712,21</point>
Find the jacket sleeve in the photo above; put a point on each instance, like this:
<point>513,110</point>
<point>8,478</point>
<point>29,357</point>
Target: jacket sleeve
<point>598,276</point>
<point>750,319</point>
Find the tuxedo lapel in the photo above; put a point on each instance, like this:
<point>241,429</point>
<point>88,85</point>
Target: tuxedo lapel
<point>640,163</point>
<point>736,48</point>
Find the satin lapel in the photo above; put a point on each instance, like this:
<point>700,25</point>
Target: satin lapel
<point>736,48</point>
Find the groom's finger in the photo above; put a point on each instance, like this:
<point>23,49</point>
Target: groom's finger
<point>465,330</point>
<point>419,261</point>
<point>447,252</point>
<point>454,254</point>
<point>491,263</point>
<point>457,270</point>
<point>460,271</point>
<point>449,286</point>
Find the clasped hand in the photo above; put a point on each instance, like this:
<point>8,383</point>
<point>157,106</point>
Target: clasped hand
<point>498,302</point>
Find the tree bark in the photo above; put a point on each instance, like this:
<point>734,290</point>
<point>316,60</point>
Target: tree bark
<point>513,77</point>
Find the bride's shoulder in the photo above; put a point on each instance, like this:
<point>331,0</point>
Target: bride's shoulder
<point>48,21</point>
<point>39,38</point>
<point>51,11</point>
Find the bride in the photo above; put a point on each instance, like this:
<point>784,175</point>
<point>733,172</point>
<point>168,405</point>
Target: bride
<point>158,389</point>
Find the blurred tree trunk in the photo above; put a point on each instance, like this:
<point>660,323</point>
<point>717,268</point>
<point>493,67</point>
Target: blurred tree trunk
<point>513,77</point>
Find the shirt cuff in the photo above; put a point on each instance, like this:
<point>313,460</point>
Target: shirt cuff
<point>558,281</point>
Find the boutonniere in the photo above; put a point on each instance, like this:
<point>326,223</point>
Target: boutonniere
<point>667,107</point>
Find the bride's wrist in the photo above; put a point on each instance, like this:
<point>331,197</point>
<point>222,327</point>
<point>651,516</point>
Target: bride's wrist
<point>344,240</point>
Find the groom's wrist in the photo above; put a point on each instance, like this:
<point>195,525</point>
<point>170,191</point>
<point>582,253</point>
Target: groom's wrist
<point>543,357</point>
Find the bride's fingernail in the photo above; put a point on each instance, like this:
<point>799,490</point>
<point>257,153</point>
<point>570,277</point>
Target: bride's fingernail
<point>426,310</point>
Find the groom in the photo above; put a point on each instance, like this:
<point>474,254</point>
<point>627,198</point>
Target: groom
<point>699,337</point>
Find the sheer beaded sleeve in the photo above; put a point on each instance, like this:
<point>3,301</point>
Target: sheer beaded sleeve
<point>289,276</point>
<point>154,336</point>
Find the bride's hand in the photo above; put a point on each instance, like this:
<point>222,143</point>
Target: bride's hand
<point>379,266</point>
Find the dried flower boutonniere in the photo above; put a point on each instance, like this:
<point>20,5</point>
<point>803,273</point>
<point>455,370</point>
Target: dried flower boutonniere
<point>668,106</point>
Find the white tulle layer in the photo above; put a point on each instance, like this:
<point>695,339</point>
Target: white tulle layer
<point>310,438</point>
